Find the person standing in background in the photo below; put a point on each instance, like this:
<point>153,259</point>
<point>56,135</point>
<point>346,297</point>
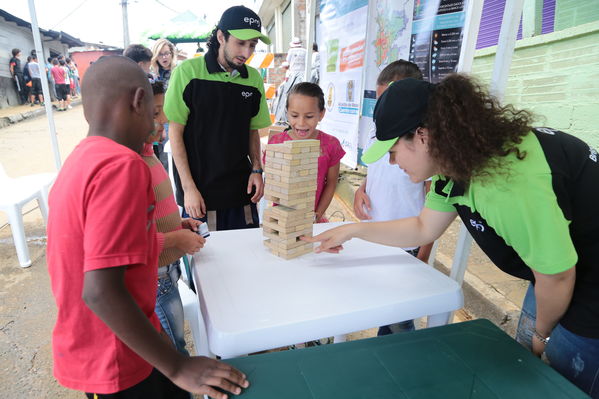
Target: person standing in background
<point>164,60</point>
<point>16,72</point>
<point>36,82</point>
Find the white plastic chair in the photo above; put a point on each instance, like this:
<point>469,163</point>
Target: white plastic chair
<point>14,194</point>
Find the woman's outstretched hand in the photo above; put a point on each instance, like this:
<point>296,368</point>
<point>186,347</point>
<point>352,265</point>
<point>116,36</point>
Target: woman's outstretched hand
<point>331,240</point>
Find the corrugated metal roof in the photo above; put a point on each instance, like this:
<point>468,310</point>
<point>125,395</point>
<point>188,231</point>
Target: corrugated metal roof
<point>63,37</point>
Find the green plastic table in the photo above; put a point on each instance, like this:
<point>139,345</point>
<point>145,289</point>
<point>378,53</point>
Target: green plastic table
<point>474,359</point>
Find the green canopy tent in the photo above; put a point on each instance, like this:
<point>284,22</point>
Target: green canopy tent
<point>184,28</point>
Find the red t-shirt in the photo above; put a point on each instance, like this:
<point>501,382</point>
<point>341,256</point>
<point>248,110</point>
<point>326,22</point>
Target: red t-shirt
<point>102,212</point>
<point>57,74</point>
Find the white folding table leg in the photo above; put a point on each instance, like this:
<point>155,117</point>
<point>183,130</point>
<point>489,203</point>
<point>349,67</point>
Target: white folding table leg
<point>15,219</point>
<point>339,338</point>
<point>439,319</point>
<point>191,309</point>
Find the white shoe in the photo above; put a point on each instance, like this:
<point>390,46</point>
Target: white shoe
<point>69,107</point>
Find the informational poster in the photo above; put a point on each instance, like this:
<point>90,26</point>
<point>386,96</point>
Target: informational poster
<point>342,44</point>
<point>437,36</point>
<point>387,40</point>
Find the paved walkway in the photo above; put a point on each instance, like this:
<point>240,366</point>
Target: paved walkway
<point>19,113</point>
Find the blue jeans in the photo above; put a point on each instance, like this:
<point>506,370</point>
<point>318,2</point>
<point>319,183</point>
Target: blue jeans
<point>169,307</point>
<point>573,356</point>
<point>402,326</point>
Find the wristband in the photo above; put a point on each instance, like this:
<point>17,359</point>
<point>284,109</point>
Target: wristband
<point>260,171</point>
<point>544,340</point>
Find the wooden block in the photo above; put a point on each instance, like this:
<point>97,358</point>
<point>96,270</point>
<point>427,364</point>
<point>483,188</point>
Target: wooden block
<point>289,253</point>
<point>297,203</point>
<point>304,143</point>
<point>297,168</point>
<point>298,216</point>
<point>301,170</point>
<point>289,195</point>
<point>275,229</point>
<point>285,243</point>
<point>290,184</point>
<point>286,214</point>
<point>294,253</point>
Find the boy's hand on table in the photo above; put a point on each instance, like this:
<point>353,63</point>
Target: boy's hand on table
<point>189,241</point>
<point>201,375</point>
<point>191,224</point>
<point>194,203</point>
<point>362,200</point>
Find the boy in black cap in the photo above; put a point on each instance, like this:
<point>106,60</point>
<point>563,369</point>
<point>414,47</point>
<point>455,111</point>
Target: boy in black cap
<point>215,105</point>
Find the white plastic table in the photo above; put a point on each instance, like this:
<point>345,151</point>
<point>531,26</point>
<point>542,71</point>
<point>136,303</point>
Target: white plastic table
<point>251,300</point>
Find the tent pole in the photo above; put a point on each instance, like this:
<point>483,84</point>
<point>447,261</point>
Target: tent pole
<point>44,78</point>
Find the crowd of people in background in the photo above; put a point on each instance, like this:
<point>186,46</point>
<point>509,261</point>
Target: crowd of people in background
<point>62,74</point>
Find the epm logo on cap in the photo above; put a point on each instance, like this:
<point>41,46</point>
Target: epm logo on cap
<point>251,21</point>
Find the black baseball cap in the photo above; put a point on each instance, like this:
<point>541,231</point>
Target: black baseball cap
<point>399,110</point>
<point>242,23</point>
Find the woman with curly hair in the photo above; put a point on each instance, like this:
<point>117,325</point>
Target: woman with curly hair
<point>527,195</point>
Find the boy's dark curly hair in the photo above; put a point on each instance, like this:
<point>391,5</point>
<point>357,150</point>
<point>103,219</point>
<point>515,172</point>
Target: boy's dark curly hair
<point>470,132</point>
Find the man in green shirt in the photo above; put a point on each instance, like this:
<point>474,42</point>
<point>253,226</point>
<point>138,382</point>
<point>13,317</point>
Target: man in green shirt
<point>215,105</point>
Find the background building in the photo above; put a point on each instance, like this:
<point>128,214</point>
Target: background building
<point>16,33</point>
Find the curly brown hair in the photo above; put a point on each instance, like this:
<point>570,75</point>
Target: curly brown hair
<point>470,132</point>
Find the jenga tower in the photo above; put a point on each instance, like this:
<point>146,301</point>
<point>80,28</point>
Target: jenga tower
<point>290,176</point>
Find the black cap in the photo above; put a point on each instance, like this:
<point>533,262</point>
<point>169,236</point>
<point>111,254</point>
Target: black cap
<point>399,110</point>
<point>242,23</point>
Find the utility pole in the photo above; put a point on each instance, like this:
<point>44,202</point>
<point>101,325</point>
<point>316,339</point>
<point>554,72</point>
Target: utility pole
<point>125,24</point>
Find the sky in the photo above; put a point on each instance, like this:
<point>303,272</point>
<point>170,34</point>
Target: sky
<point>101,21</point>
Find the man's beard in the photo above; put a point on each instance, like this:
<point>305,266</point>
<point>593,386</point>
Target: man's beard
<point>231,63</point>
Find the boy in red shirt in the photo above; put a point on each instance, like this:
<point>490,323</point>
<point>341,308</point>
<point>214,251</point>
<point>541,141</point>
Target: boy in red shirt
<point>102,255</point>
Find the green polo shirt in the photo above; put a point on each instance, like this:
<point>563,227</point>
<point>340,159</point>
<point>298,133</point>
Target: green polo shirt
<point>218,110</point>
<point>537,213</point>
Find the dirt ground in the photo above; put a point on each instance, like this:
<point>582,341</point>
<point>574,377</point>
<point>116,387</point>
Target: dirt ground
<point>27,309</point>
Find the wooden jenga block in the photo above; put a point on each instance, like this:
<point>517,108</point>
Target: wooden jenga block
<point>295,252</point>
<point>288,216</point>
<point>289,198</point>
<point>279,231</point>
<point>287,254</point>
<point>285,242</point>
<point>298,203</point>
<point>288,187</point>
<point>305,143</point>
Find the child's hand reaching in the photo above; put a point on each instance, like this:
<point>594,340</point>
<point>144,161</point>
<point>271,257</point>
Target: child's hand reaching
<point>362,203</point>
<point>191,224</point>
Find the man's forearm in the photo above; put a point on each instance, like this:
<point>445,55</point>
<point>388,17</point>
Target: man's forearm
<point>180,154</point>
<point>255,149</point>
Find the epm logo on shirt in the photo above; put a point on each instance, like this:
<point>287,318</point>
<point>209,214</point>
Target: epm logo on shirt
<point>246,94</point>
